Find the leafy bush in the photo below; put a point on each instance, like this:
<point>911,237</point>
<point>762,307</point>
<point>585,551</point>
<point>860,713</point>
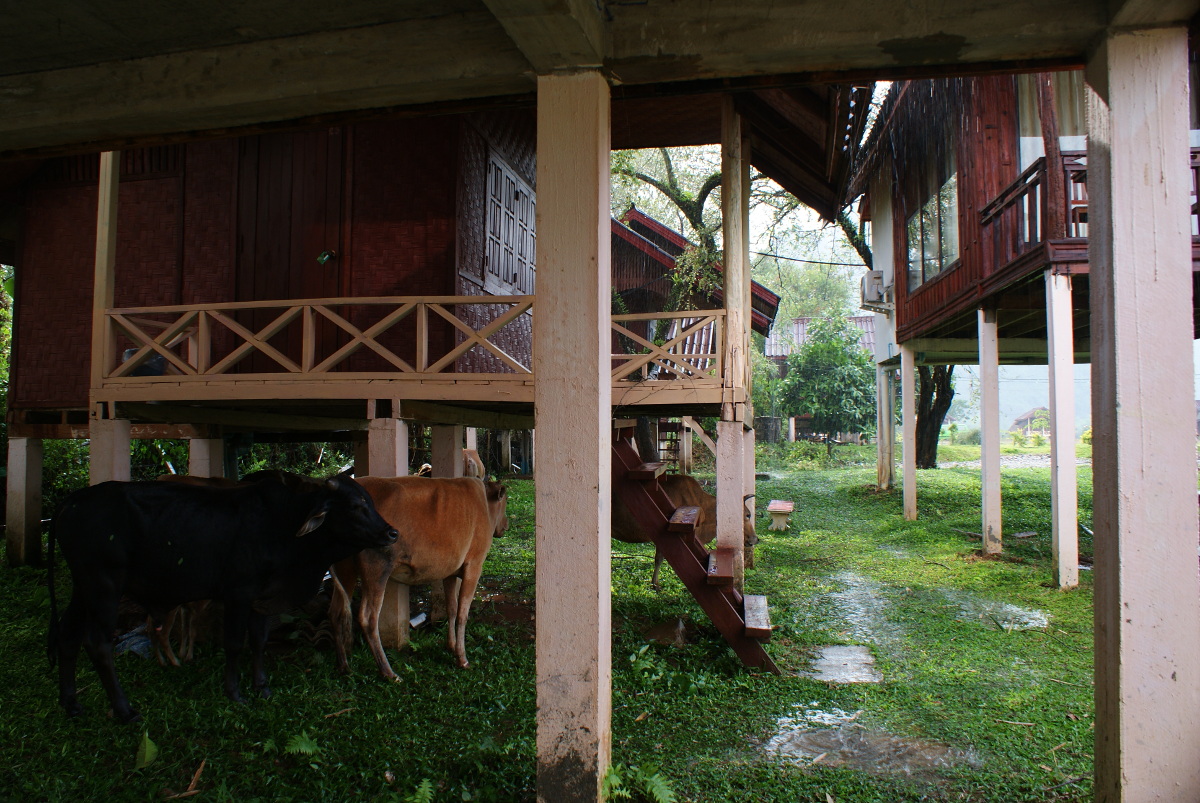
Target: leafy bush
<point>970,437</point>
<point>1037,440</point>
<point>1086,437</point>
<point>1018,438</point>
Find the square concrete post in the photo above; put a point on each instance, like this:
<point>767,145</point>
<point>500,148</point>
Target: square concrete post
<point>23,531</point>
<point>885,428</point>
<point>109,450</point>
<point>1147,595</point>
<point>472,438</point>
<point>573,409</point>
<point>206,457</point>
<point>731,488</point>
<point>748,490</point>
<point>908,429</point>
<point>387,448</point>
<point>989,430</point>
<point>1064,500</point>
<point>446,450</point>
<point>685,449</point>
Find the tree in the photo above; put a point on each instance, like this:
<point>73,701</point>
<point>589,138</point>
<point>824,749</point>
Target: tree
<point>935,392</point>
<point>832,379</point>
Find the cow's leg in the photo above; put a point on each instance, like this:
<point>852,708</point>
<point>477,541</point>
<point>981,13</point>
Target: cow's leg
<point>237,619</point>
<point>374,586</point>
<point>340,616</point>
<point>466,593</point>
<point>65,641</point>
<point>658,559</point>
<point>98,629</point>
<point>451,587</point>
<point>258,647</point>
<point>160,632</point>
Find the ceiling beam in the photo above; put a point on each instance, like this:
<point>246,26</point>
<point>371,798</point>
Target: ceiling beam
<point>1151,13</point>
<point>555,35</point>
<point>199,90</point>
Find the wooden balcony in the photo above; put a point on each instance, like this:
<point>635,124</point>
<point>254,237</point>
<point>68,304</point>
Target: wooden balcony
<point>465,349</point>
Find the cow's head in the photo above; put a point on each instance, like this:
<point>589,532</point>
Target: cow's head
<point>497,497</point>
<point>343,506</point>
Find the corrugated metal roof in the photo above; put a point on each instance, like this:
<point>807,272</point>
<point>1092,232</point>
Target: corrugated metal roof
<point>786,339</point>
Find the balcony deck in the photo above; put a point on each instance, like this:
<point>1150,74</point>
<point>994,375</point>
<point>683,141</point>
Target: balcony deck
<point>459,352</point>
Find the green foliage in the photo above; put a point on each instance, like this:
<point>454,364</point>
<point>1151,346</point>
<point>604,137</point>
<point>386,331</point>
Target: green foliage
<point>147,751</point>
<point>1086,437</point>
<point>637,784</point>
<point>302,744</point>
<point>422,794</point>
<point>1037,440</point>
<point>1018,438</point>
<point>972,437</point>
<point>831,379</point>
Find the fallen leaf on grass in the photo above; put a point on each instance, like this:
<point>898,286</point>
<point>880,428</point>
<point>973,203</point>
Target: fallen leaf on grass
<point>191,790</point>
<point>818,758</point>
<point>641,716</point>
<point>147,751</point>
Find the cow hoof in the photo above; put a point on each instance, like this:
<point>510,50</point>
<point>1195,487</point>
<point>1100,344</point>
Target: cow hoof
<point>264,691</point>
<point>73,709</point>
<point>129,717</point>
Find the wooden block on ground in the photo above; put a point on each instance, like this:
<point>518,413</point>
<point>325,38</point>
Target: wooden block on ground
<point>647,471</point>
<point>684,519</point>
<point>758,619</point>
<point>720,567</point>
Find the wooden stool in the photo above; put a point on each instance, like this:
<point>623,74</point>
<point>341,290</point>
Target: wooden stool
<point>780,510</point>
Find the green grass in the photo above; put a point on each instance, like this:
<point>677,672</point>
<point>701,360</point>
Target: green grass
<point>692,715</point>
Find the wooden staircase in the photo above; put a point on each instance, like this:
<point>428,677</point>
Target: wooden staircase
<point>743,621</point>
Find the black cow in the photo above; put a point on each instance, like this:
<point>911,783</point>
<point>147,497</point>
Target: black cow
<point>260,548</point>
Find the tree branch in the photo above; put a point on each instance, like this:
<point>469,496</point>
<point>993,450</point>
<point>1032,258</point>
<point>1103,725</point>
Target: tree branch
<point>854,235</point>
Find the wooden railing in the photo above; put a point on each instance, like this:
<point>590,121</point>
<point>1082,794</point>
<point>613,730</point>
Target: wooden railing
<point>691,347</point>
<point>395,338</point>
<point>311,338</point>
<point>1014,223</point>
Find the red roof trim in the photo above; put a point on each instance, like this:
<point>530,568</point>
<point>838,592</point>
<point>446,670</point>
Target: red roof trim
<point>642,244</point>
<point>674,237</point>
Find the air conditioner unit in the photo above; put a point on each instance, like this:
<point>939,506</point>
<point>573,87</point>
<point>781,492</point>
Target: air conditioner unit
<point>875,295</point>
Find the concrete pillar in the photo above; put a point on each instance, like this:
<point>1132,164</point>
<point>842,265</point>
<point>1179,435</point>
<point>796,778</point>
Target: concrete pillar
<point>573,409</point>
<point>109,450</point>
<point>1147,592</point>
<point>885,427</point>
<point>791,436</point>
<point>446,450</point>
<point>23,516</point>
<point>731,487</point>
<point>1064,500</point>
<point>206,457</point>
<point>387,448</point>
<point>748,490</point>
<point>989,430</point>
<point>908,404</point>
<point>472,438</point>
<point>506,450</point>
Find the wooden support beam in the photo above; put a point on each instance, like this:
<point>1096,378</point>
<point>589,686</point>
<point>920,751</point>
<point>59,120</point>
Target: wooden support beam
<point>885,427</point>
<point>572,360</point>
<point>989,429</point>
<point>555,35</point>
<point>387,448</point>
<point>731,484</point>
<point>109,453</point>
<point>1147,591</point>
<point>206,457</point>
<point>1064,501</point>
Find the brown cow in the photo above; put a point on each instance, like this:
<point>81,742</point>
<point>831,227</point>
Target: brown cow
<point>445,530</point>
<point>683,490</point>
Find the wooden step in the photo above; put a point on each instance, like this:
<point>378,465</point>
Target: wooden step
<point>647,471</point>
<point>684,519</point>
<point>720,567</point>
<point>758,619</point>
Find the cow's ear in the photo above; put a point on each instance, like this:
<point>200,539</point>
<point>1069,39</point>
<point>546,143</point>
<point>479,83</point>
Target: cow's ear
<point>313,521</point>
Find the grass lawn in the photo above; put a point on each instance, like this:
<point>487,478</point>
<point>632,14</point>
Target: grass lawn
<point>958,672</point>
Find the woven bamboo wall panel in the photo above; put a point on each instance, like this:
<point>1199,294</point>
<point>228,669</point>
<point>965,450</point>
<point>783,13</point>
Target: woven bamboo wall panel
<point>513,135</point>
<point>472,205</point>
<point>148,243</point>
<point>515,339</point>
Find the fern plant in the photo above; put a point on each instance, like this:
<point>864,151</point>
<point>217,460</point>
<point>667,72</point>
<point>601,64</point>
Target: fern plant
<point>638,785</point>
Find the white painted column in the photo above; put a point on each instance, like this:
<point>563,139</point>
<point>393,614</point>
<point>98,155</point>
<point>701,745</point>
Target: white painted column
<point>731,484</point>
<point>23,516</point>
<point>1147,592</point>
<point>387,448</point>
<point>446,450</point>
<point>1064,500</point>
<point>206,457</point>
<point>472,438</point>
<point>989,431</point>
<point>108,450</point>
<point>573,409</point>
<point>885,428</point>
<point>908,429</point>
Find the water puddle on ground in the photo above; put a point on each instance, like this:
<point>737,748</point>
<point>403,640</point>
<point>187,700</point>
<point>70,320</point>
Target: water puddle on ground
<point>990,612</point>
<point>834,738</point>
<point>863,607</point>
<point>844,664</point>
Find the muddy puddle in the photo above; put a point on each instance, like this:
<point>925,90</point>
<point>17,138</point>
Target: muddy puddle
<point>835,738</point>
<point>994,613</point>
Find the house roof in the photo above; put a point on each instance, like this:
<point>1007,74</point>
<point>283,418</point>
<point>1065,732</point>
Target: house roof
<point>663,242</point>
<point>786,339</point>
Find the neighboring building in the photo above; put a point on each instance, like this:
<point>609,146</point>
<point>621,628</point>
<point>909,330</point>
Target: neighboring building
<point>1035,420</point>
<point>785,340</point>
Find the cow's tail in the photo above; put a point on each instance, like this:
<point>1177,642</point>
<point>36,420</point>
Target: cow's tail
<point>52,633</point>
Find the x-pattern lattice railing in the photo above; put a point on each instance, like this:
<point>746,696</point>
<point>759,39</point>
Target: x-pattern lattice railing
<point>691,349</point>
<point>180,339</point>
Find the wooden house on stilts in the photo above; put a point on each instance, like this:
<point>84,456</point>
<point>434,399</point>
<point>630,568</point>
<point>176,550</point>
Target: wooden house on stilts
<point>293,231</point>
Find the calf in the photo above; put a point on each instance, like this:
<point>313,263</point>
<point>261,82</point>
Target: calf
<point>445,527</point>
<point>260,548</point>
<point>683,490</point>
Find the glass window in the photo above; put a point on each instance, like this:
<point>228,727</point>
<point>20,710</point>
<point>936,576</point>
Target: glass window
<point>933,234</point>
